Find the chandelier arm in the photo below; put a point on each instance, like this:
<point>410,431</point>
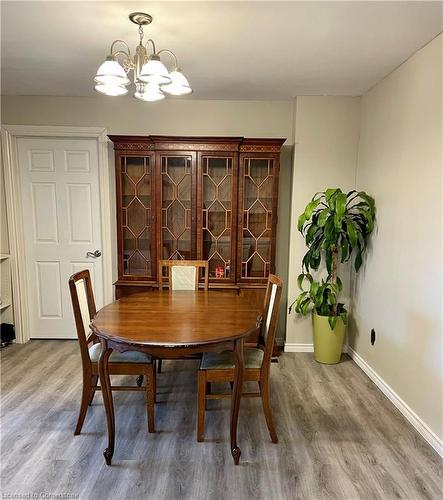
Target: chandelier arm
<point>152,43</point>
<point>171,54</point>
<point>128,64</point>
<point>128,54</point>
<point>119,52</point>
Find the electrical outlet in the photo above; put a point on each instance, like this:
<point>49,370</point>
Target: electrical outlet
<point>372,336</point>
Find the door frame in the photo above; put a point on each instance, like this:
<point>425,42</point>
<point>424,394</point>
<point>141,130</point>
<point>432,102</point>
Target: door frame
<point>9,137</point>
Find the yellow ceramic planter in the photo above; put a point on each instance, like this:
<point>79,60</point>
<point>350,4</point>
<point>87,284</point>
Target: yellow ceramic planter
<point>327,343</point>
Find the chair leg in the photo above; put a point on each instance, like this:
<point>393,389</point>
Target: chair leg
<point>94,383</point>
<point>86,397</point>
<point>154,375</point>
<point>159,364</point>
<point>264,391</point>
<point>201,404</point>
<point>150,396</point>
<point>208,391</point>
<point>140,380</point>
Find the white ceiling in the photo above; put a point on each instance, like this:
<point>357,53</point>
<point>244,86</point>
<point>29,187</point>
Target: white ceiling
<point>228,50</point>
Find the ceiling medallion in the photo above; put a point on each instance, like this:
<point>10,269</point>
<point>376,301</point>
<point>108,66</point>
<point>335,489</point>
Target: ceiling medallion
<point>151,77</point>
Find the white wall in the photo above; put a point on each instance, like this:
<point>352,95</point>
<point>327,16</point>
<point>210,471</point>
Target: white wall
<point>326,142</point>
<point>398,292</point>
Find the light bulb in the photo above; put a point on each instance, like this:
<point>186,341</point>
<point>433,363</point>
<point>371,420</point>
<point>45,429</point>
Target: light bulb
<point>111,73</point>
<point>149,92</point>
<point>154,71</point>
<point>111,90</point>
<point>179,84</point>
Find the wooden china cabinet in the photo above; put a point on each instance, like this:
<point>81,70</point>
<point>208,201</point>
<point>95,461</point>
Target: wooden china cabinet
<point>205,198</point>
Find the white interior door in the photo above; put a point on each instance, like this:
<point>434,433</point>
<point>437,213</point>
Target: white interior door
<point>61,212</point>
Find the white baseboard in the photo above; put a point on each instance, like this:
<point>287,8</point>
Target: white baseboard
<point>396,400</point>
<point>305,348</point>
<point>299,347</point>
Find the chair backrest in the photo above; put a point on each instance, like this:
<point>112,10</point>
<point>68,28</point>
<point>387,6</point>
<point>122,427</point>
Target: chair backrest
<point>183,274</point>
<point>270,316</point>
<point>83,305</point>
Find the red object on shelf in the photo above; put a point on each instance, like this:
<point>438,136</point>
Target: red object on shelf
<point>219,272</point>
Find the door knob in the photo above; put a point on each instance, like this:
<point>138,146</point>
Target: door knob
<point>95,254</point>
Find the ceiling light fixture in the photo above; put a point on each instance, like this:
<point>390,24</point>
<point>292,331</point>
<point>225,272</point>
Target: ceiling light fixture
<point>150,76</point>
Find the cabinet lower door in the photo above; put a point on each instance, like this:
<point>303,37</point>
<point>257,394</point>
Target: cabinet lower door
<point>176,185</point>
<point>258,179</point>
<point>216,214</point>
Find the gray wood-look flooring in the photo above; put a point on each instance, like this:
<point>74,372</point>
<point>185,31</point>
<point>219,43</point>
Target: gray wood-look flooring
<point>340,438</point>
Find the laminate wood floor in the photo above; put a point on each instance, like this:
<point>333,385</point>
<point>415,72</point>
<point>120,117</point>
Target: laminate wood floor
<point>340,438</point>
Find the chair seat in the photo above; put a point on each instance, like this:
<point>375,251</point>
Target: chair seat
<point>119,357</point>
<point>225,360</point>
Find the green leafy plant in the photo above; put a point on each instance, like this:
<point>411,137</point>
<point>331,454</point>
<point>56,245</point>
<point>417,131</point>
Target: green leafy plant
<point>335,226</point>
<point>322,297</point>
<point>336,223</point>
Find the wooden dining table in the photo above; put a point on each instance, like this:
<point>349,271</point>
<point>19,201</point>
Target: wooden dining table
<point>175,324</point>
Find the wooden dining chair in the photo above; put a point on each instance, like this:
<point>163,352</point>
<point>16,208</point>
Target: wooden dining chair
<point>183,274</point>
<point>125,363</point>
<point>219,367</point>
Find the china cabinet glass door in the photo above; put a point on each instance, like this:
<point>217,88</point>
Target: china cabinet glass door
<point>177,221</point>
<point>137,257</point>
<point>256,217</point>
<point>216,231</point>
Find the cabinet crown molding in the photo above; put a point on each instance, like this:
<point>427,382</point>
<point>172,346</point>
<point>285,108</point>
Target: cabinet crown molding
<point>195,143</point>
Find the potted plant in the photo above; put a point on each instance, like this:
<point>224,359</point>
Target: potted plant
<point>336,226</point>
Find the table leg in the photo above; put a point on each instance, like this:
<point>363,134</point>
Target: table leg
<point>103,370</point>
<point>236,397</point>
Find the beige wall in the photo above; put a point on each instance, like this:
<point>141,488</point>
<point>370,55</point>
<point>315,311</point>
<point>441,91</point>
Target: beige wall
<point>126,115</point>
<point>326,142</point>
<point>398,292</point>
<point>172,117</point>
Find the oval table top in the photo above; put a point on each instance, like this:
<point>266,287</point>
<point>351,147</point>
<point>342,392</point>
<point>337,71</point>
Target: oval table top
<point>177,318</point>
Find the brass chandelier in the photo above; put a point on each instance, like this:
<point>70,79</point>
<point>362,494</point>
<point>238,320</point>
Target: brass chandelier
<point>151,77</point>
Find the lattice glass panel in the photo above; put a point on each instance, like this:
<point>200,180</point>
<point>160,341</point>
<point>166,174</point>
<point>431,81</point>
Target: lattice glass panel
<point>217,213</point>
<point>176,207</point>
<point>136,178</point>
<point>257,217</point>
